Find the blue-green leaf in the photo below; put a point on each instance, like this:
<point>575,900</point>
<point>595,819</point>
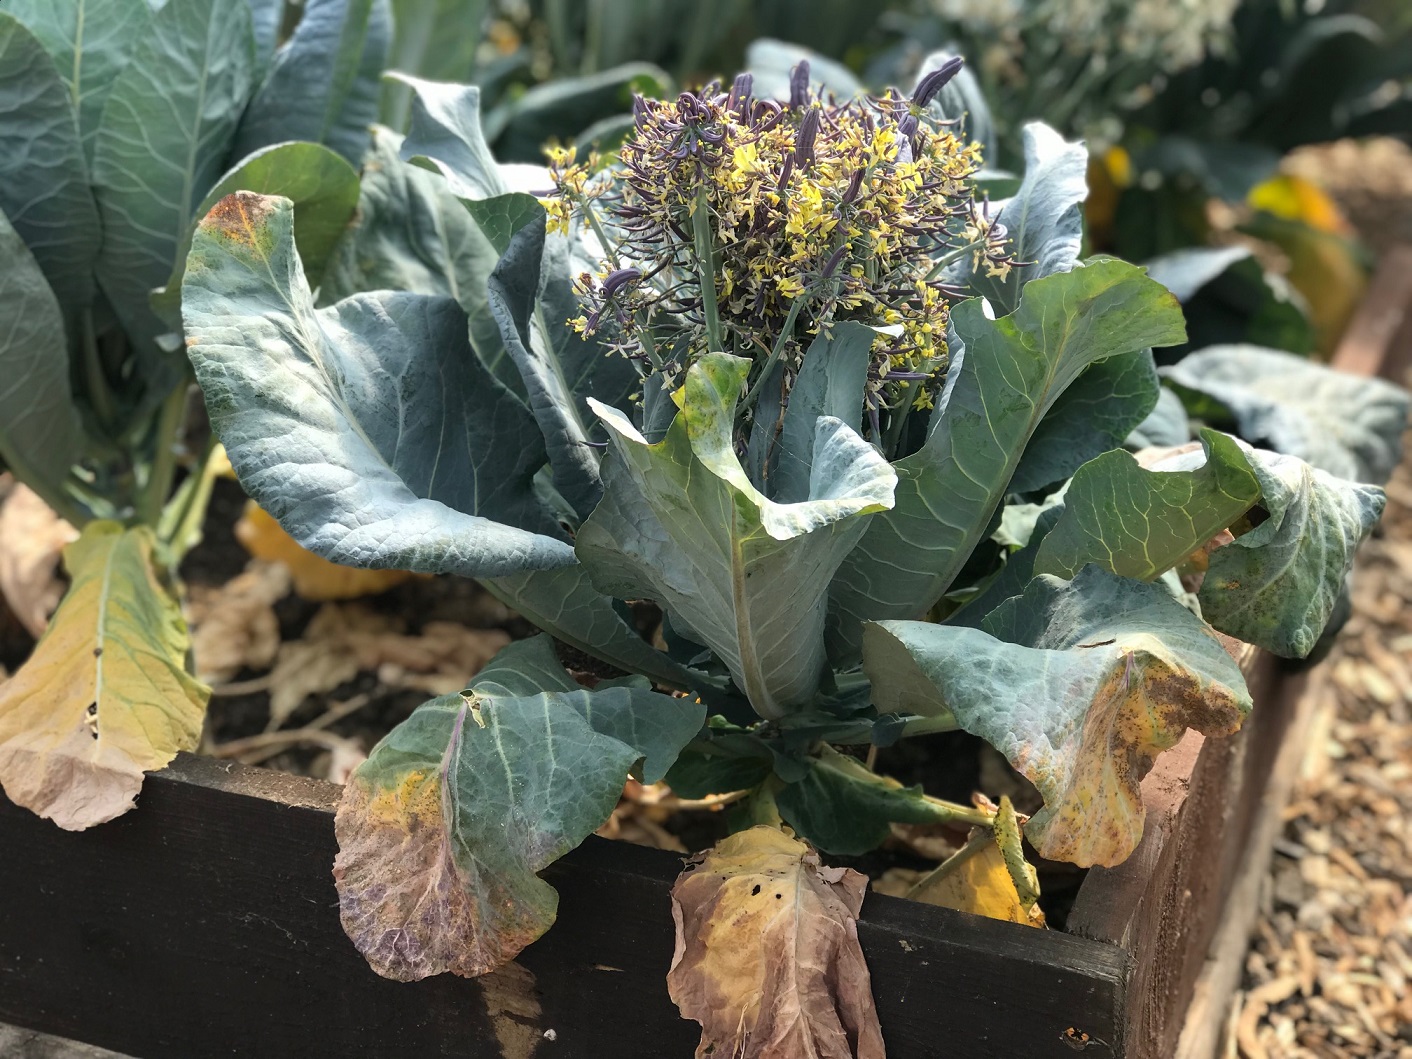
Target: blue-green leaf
<point>442,831</point>
<point>43,176</point>
<point>830,383</point>
<point>368,429</point>
<point>680,523</point>
<point>1139,522</point>
<point>1045,218</point>
<point>1166,425</point>
<point>163,141</point>
<point>324,83</point>
<point>1080,685</point>
<point>323,188</point>
<point>410,233</point>
<point>531,299</point>
<point>1097,413</point>
<point>1009,375</point>
<point>1277,585</point>
<point>564,602</point>
<point>41,435</point>
<point>1343,424</point>
<point>90,41</point>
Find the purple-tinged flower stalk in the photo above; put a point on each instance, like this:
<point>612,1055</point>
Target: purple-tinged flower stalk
<point>748,225</point>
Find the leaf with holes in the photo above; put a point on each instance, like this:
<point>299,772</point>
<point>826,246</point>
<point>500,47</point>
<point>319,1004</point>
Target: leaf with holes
<point>106,695</point>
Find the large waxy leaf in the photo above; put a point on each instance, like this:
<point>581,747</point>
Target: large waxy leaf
<point>165,134</point>
<point>445,135</point>
<point>530,294</point>
<point>43,176</point>
<point>442,830</point>
<point>1344,424</point>
<point>1044,219</point>
<point>421,44</point>
<point>90,41</point>
<point>830,382</point>
<point>105,696</point>
<point>680,523</point>
<point>410,233</point>
<point>1080,685</point>
<point>564,602</point>
<point>368,429</point>
<point>559,110</point>
<point>1097,413</point>
<point>323,188</point>
<point>267,18</point>
<point>532,301</point>
<point>1277,585</point>
<point>1166,425</point>
<point>41,435</point>
<point>1009,375</point>
<point>324,84</point>
<point>767,956</point>
<point>1138,522</point>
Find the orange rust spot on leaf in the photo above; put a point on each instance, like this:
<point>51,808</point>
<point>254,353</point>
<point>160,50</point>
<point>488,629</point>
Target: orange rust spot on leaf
<point>239,217</point>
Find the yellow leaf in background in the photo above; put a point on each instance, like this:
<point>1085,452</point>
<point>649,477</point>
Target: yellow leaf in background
<point>767,956</point>
<point>315,578</point>
<point>105,696</point>
<point>982,885</point>
<point>1293,198</point>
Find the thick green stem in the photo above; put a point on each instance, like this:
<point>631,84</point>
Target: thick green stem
<point>949,865</point>
<point>164,457</point>
<point>179,529</point>
<point>706,272</point>
<point>900,411</point>
<point>774,357</point>
<point>929,725</point>
<point>96,382</point>
<point>598,230</point>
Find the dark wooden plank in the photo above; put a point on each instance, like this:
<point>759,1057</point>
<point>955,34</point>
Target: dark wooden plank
<point>206,924</point>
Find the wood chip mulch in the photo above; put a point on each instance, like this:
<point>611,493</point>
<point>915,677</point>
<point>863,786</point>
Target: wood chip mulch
<point>1329,972</point>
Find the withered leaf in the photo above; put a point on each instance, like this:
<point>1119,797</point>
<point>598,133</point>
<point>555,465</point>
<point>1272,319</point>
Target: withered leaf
<point>767,956</point>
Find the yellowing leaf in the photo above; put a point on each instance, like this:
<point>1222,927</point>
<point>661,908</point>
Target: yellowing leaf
<point>767,956</point>
<point>105,696</point>
<point>982,885</point>
<point>314,576</point>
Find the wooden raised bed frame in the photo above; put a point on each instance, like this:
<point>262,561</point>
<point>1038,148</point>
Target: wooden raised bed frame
<point>206,923</point>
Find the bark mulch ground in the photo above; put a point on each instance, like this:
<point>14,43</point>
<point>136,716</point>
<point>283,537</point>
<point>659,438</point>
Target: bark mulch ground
<point>1329,968</point>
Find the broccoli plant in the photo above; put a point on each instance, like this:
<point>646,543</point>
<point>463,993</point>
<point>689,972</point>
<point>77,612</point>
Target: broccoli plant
<point>857,433</point>
<point>121,123</point>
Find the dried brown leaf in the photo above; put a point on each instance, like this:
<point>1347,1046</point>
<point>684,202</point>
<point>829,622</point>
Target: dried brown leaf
<point>767,956</point>
<point>32,539</point>
<point>234,626</point>
<point>344,640</point>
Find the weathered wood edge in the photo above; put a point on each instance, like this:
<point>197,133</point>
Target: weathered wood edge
<point>206,923</point>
